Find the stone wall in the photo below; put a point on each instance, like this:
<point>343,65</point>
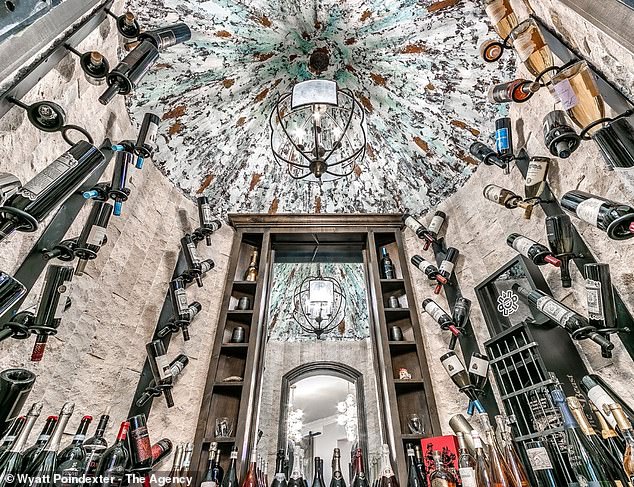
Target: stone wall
<point>96,358</point>
<point>478,228</point>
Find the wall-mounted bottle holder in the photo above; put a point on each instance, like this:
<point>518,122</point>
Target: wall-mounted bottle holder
<point>127,25</point>
<point>94,65</point>
<point>64,251</point>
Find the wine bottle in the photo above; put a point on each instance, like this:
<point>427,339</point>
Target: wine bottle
<point>41,195</point>
<point>161,370</point>
<point>461,311</point>
<point>532,49</point>
<point>502,16</point>
<point>599,397</point>
<point>280,478</point>
<point>516,470</point>
<point>337,476</point>
<point>560,138</point>
<point>625,427</point>
<point>507,198</point>
<point>504,138</point>
<point>176,366</point>
<point>177,462</point>
<point>146,141</point>
<point>535,181</point>
<point>611,439</point>
<point>139,444</point>
<point>541,464</point>
<point>386,265</point>
<point>388,477</point>
<point>561,242</point>
<point>31,453</point>
<point>616,219</point>
<point>75,450</point>
<point>436,223</point>
<point>439,315</point>
<point>295,480</point>
<point>316,478</point>
<point>600,296</point>
<point>196,267</point>
<point>499,472</point>
<point>612,465</point>
<point>251,273</point>
<point>12,434</point>
<point>321,472</point>
<point>184,313</point>
<point>420,464</point>
<point>231,477</point>
<point>11,460</point>
<point>440,476</point>
<point>118,190</point>
<point>94,447</point>
<point>466,463</point>
<point>414,477</point>
<point>447,266</point>
<point>516,91</point>
<point>457,372</point>
<point>9,184</point>
<point>568,319</point>
<point>265,476</point>
<point>208,225</point>
<point>40,472</point>
<point>11,290</point>
<point>160,450</point>
<point>360,479</point>
<point>429,269</point>
<point>53,305</point>
<point>478,370</point>
<point>167,36</point>
<point>213,475</point>
<point>15,386</point>
<point>482,465</point>
<point>587,469</point>
<point>419,229</point>
<point>93,235</point>
<point>186,463</point>
<point>251,479</point>
<point>113,462</point>
<point>536,252</point>
<point>486,155</point>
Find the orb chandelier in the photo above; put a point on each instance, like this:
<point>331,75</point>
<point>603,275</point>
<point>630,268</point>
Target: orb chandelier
<point>319,304</point>
<point>318,131</point>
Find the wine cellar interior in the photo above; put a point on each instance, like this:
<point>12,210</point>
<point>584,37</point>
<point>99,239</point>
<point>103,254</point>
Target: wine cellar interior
<point>263,235</point>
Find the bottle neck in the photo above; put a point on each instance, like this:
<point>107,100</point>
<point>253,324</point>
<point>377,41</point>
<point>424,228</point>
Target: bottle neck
<point>123,432</point>
<point>56,436</point>
<point>20,441</point>
<point>80,435</point>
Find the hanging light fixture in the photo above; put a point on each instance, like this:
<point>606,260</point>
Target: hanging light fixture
<point>318,131</point>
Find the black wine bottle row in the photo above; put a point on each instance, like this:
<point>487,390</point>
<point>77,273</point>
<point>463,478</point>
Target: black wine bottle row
<point>616,219</point>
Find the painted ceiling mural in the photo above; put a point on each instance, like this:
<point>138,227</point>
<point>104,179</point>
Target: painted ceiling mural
<point>413,65</point>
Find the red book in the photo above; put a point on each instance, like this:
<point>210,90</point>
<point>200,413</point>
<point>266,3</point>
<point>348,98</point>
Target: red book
<point>447,446</point>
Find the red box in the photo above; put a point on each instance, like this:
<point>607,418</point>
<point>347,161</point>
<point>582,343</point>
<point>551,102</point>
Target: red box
<point>447,446</point>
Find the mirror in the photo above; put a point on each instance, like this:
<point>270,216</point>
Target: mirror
<point>319,383</point>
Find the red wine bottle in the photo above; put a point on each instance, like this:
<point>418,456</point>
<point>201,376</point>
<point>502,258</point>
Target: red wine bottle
<point>504,138</point>
<point>563,316</point>
<point>12,460</point>
<point>436,223</point>
<point>616,219</point>
<point>486,155</point>
<point>94,447</point>
<point>600,296</point>
<point>478,370</point>
<point>561,242</point>
<point>536,252</point>
<point>429,269</point>
<point>251,479</point>
<point>71,459</point>
<point>215,473</point>
<point>208,224</point>
<point>176,367</point>
<point>161,370</point>
<point>337,479</point>
<point>447,266</point>
<point>439,315</point>
<point>515,91</point>
<point>160,450</point>
<point>139,444</point>
<point>231,477</point>
<point>93,235</point>
<point>419,229</point>
<point>559,136</point>
<point>145,145</point>
<point>507,198</point>
<point>41,195</point>
<point>196,267</point>
<point>113,462</point>
<point>34,450</point>
<point>42,470</point>
<point>11,290</point>
<point>53,305</point>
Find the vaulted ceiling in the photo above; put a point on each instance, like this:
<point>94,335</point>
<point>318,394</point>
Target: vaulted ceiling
<point>413,65</point>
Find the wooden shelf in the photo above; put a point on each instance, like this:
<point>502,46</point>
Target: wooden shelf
<point>391,285</point>
<point>229,384</point>
<point>396,314</point>
<point>208,441</point>
<point>240,316</point>
<point>235,345</point>
<point>410,436</point>
<point>402,344</point>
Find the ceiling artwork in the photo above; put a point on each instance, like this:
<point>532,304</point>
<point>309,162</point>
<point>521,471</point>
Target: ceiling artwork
<point>413,65</point>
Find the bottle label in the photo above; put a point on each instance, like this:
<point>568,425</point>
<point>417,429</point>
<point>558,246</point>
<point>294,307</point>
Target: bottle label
<point>181,301</point>
<point>194,254</point>
<point>168,39</point>
<point>436,223</point>
<point>536,172</point>
<point>447,267</point>
<point>595,305</point>
<point>96,236</point>
<point>163,367</point>
<point>496,194</point>
<point>206,213</point>
<point>566,94</point>
<point>601,400</point>
<point>498,10</point>
<point>280,478</point>
<point>49,177</point>
<point>177,368</point>
<point>64,292</point>
<point>43,438</point>
<point>424,265</point>
<point>452,365</point>
<point>502,142</point>
<point>412,224</point>
<point>209,483</point>
<point>589,210</point>
<point>467,475</point>
<point>478,366</point>
<point>538,458</point>
<point>79,438</point>
<point>234,455</point>
<point>523,245</point>
<point>439,483</point>
<point>553,309</point>
<point>434,311</point>
<point>152,132</point>
<point>141,439</point>
<point>528,42</point>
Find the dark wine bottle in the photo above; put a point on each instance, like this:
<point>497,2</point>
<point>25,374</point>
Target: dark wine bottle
<point>12,461</point>
<point>535,181</point>
<point>419,229</point>
<point>139,443</point>
<point>447,266</point>
<point>176,366</point>
<point>420,464</point>
<point>53,305</point>
<point>94,447</point>
<point>196,267</point>
<point>516,91</point>
<point>388,477</point>
<point>414,478</point>
<point>184,313</point>
<point>210,479</point>
<point>31,453</point>
<point>113,462</point>
<point>40,472</point>
<point>160,450</point>
<point>187,460</point>
<point>167,36</point>
<point>440,316</point>
<point>536,252</point>
<point>486,155</point>
<point>504,138</point>
<point>15,386</point>
<point>177,462</point>
<point>146,141</point>
<point>12,434</point>
<point>429,269</point>
<point>208,225</point>
<point>93,235</point>
<point>616,219</point>
<point>11,290</point>
<point>386,265</point>
<point>119,190</point>
<point>76,448</point>
<point>559,136</point>
<point>600,295</point>
<point>457,372</point>
<point>360,479</point>
<point>337,479</point>
<point>568,319</point>
<point>436,223</point>
<point>478,370</point>
<point>461,311</point>
<point>161,370</point>
<point>231,477</point>
<point>280,478</point>
<point>41,195</point>
<point>541,464</point>
<point>561,242</point>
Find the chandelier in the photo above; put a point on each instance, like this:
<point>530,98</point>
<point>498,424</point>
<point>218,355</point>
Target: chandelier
<point>319,304</point>
<point>347,417</point>
<point>317,130</point>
